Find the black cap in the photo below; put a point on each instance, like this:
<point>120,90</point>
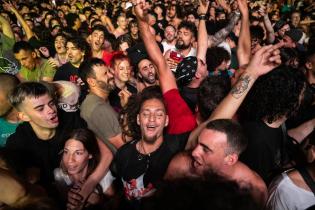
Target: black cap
<point>186,70</point>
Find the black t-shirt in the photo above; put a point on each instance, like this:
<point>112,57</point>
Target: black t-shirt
<point>141,173</point>
<point>43,154</point>
<point>263,153</point>
<point>68,72</point>
<point>114,98</point>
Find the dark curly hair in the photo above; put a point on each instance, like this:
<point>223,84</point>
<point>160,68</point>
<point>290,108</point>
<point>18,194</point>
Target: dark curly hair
<point>128,116</point>
<point>274,95</point>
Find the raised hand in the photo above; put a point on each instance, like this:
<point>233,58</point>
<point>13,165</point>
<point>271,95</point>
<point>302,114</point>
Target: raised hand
<point>265,59</point>
<point>203,7</point>
<point>243,7</point>
<point>140,9</point>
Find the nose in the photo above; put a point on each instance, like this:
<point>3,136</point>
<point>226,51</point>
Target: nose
<point>195,152</point>
<point>152,117</point>
<point>51,109</point>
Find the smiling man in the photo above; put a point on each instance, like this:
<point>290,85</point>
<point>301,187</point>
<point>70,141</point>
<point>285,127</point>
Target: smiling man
<point>147,157</point>
<point>40,138</point>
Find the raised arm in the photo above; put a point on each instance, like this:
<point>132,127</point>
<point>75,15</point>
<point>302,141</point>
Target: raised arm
<point>267,23</point>
<point>266,59</point>
<point>244,41</point>
<point>6,28</point>
<point>166,77</point>
<point>29,33</point>
<point>219,36</point>
<point>202,30</point>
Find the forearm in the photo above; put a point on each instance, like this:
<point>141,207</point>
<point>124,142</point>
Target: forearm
<point>101,169</point>
<point>220,36</point>
<point>202,40</point>
<point>6,28</point>
<point>269,30</point>
<point>28,32</point>
<point>244,42</point>
<point>302,131</point>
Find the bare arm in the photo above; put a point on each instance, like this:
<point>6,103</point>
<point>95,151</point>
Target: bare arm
<point>90,184</point>
<point>6,28</point>
<point>166,77</point>
<point>244,42</point>
<point>202,31</point>
<point>267,23</point>
<point>302,131</point>
<point>29,33</point>
<point>266,59</point>
<point>219,36</point>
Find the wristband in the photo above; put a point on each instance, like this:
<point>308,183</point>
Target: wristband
<point>202,17</point>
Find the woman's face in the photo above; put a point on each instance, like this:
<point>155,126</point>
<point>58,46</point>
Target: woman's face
<point>60,45</point>
<point>122,71</point>
<point>75,157</point>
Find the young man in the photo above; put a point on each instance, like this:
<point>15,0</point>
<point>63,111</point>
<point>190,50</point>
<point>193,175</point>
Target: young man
<point>33,68</point>
<point>95,109</point>
<point>122,26</point>
<point>77,49</point>
<point>40,138</point>
<point>170,38</point>
<point>147,74</point>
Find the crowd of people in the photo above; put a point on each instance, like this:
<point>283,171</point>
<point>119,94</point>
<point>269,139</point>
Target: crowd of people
<point>157,104</point>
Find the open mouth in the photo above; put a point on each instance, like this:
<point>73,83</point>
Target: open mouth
<point>54,119</point>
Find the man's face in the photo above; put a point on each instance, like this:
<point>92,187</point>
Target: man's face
<point>75,54</point>
<point>191,18</point>
<point>97,40</point>
<point>169,33</point>
<point>5,106</point>
<point>171,12</point>
<point>104,78</point>
<point>122,22</point>
<point>185,39</point>
<point>295,19</point>
<point>209,154</point>
<point>60,45</point>
<point>147,71</point>
<point>77,23</point>
<point>26,58</point>
<point>75,157</point>
<point>122,70</point>
<point>288,42</point>
<point>284,29</point>
<point>41,112</point>
<point>221,16</point>
<point>134,29</point>
<point>99,11</point>
<point>152,119</point>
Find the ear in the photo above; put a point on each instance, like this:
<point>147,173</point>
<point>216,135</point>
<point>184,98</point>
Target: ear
<point>22,116</point>
<point>166,121</point>
<point>138,119</point>
<point>197,74</point>
<point>91,82</point>
<point>231,159</point>
<point>34,55</point>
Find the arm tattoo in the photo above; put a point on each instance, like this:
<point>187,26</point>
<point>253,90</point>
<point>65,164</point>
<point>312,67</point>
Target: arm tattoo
<point>219,36</point>
<point>241,86</point>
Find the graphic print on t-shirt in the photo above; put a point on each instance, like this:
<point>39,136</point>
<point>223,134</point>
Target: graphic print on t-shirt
<point>134,188</point>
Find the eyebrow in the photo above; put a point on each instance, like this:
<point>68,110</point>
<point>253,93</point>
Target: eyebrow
<point>43,104</point>
<point>205,146</point>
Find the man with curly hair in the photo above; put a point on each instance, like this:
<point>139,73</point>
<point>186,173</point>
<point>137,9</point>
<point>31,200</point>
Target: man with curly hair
<point>274,98</point>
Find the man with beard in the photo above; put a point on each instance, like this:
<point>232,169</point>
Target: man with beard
<point>141,163</point>
<point>186,36</point>
<point>170,38</point>
<point>8,115</point>
<point>95,109</point>
<point>146,74</point>
<point>173,15</point>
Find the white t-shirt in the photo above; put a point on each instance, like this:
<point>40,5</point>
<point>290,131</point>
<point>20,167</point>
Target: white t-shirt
<point>105,183</point>
<point>284,194</point>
